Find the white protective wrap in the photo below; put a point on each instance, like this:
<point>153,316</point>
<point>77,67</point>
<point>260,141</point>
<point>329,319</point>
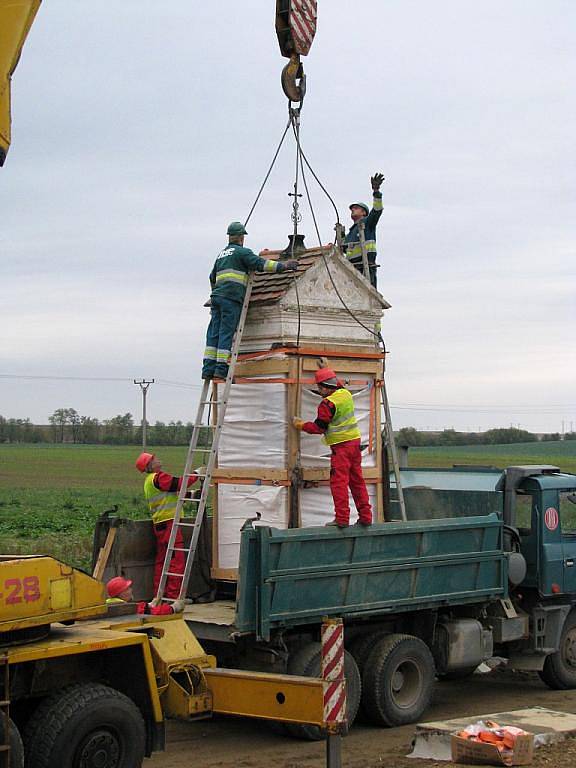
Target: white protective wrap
<point>237,503</point>
<point>317,507</point>
<point>255,428</point>
<point>314,451</point>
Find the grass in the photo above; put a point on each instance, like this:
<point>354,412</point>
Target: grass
<point>561,454</point>
<point>51,496</point>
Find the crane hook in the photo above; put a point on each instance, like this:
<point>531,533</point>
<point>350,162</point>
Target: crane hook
<point>294,80</point>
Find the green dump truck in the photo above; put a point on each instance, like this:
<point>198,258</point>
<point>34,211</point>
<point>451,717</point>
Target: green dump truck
<point>483,567</point>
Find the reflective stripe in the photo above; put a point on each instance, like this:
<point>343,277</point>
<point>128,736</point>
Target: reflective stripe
<point>233,275</point>
<point>357,248</point>
<point>343,426</point>
<point>270,266</point>
<point>223,354</point>
<point>210,353</point>
<point>162,504</point>
<point>377,204</point>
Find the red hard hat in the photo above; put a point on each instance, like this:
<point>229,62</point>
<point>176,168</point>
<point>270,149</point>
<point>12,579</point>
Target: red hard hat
<point>143,460</point>
<point>117,585</point>
<point>326,376</point>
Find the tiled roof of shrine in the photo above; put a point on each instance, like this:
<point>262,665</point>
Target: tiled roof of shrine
<point>269,287</point>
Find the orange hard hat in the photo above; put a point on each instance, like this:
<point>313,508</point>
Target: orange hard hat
<point>143,460</point>
<point>327,377</point>
<point>117,585</point>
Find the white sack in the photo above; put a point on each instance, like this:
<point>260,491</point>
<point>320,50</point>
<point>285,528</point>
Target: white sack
<point>314,451</point>
<point>237,503</point>
<point>317,507</point>
<point>255,428</point>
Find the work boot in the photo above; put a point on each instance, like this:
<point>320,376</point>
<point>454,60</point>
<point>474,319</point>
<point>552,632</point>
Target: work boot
<point>363,523</point>
<point>336,524</point>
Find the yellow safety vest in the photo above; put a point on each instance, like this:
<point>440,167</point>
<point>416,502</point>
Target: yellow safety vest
<point>343,426</point>
<point>162,503</point>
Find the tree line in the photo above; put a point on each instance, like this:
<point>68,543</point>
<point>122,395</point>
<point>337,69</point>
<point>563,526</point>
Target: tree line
<point>66,425</point>
<point>410,436</point>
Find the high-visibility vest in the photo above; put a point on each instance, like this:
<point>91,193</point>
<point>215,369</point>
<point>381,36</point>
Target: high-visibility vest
<point>162,503</point>
<point>343,426</point>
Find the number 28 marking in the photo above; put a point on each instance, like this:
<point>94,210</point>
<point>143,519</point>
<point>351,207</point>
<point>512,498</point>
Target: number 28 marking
<point>26,589</point>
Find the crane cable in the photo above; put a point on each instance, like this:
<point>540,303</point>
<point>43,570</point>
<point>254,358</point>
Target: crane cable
<point>376,334</point>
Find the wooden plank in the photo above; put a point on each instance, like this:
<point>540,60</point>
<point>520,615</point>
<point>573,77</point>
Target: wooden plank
<point>250,473</point>
<point>323,473</point>
<point>104,554</point>
<point>346,366</point>
<point>224,574</point>
<point>350,351</point>
<point>248,368</point>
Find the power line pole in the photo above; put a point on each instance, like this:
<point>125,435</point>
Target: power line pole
<point>144,384</point>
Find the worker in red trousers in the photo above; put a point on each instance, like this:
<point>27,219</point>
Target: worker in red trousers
<point>120,591</point>
<point>161,492</point>
<point>337,422</point>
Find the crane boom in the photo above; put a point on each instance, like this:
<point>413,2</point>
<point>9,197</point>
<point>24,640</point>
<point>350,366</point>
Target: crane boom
<point>16,18</point>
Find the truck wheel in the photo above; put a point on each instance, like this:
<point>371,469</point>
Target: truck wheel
<point>398,680</point>
<point>16,746</point>
<point>85,726</point>
<point>360,648</point>
<point>306,662</point>
<point>559,671</point>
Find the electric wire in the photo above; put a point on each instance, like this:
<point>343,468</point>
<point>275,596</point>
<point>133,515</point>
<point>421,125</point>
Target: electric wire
<point>268,173</point>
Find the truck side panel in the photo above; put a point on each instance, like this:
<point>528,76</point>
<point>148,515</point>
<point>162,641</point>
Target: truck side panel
<point>298,576</point>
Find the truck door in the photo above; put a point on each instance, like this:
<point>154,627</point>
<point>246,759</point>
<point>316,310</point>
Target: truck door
<point>527,523</point>
<point>567,512</point>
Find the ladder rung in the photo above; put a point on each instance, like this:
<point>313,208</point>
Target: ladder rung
<point>211,402</point>
<point>191,501</point>
<point>180,549</point>
<point>186,525</point>
<point>169,573</point>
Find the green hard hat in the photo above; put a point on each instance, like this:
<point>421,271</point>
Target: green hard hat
<point>361,205</point>
<point>236,228</point>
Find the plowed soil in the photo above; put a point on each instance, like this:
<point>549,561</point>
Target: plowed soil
<point>235,743</point>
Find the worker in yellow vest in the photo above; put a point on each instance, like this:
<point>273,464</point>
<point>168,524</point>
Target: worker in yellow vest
<point>337,422</point>
<point>161,492</point>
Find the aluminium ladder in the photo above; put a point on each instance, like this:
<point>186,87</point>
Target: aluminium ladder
<point>204,407</point>
<point>389,430</point>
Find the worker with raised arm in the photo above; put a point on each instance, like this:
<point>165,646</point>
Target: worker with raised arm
<point>119,590</point>
<point>161,492</point>
<point>337,422</point>
<point>228,280</point>
<point>360,213</point>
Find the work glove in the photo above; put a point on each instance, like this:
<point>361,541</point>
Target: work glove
<point>201,472</point>
<point>297,422</point>
<point>376,181</point>
<point>291,265</point>
<point>178,606</point>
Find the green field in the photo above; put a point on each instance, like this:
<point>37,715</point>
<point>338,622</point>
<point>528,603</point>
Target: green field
<point>50,495</point>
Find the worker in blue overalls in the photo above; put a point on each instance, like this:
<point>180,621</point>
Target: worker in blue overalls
<point>361,213</point>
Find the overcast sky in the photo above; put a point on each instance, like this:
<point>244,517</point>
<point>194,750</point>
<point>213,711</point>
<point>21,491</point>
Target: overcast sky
<point>141,128</point>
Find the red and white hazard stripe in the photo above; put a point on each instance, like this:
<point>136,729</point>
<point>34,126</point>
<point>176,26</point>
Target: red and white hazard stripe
<point>333,671</point>
<point>303,14</point>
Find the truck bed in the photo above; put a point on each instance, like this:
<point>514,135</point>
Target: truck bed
<point>295,577</point>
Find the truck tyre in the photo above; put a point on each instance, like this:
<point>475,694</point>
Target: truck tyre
<point>16,746</point>
<point>306,662</point>
<point>85,726</point>
<point>559,671</point>
<point>398,680</point>
<point>361,647</point>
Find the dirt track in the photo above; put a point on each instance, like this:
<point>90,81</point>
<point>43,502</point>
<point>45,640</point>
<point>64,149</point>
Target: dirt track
<point>227,743</point>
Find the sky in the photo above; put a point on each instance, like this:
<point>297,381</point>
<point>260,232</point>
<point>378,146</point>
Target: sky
<point>140,129</point>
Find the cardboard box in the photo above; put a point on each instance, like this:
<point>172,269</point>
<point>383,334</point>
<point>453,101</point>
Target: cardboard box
<point>477,753</point>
